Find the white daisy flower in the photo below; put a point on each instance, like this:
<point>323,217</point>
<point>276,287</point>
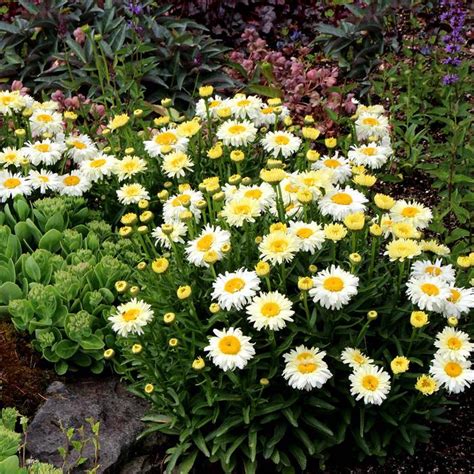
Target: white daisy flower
<point>415,213</point>
<point>270,311</point>
<point>179,231</point>
<point>238,211</point>
<point>315,181</point>
<point>235,290</point>
<point>81,148</point>
<point>305,368</point>
<point>371,125</point>
<point>131,317</point>
<point>129,166</point>
<point>47,105</point>
<point>452,374</point>
<point>230,349</point>
<point>175,205</point>
<point>281,143</point>
<point>460,301</point>
<point>268,116</point>
<point>98,166</point>
<point>263,193</point>
<point>175,165</point>
<point>454,343</point>
<point>370,383</point>
<point>339,167</point>
<point>212,238</point>
<point>334,287</point>
<point>423,268</point>
<point>132,193</point>
<point>376,109</point>
<point>44,152</point>
<point>339,203</point>
<point>44,180</point>
<point>13,184</point>
<point>245,106</point>
<point>73,184</point>
<point>237,134</point>
<point>165,141</point>
<point>279,247</point>
<point>354,358</point>
<point>11,157</point>
<point>310,235</point>
<point>372,156</point>
<point>428,293</point>
<point>213,103</point>
<point>11,101</point>
<point>42,121</point>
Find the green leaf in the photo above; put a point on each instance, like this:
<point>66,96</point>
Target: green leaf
<point>61,367</point>
<point>188,463</point>
<point>312,421</point>
<point>51,240</point>
<point>32,269</point>
<point>56,221</point>
<point>267,91</point>
<point>92,343</point>
<point>66,348</point>
<point>9,291</point>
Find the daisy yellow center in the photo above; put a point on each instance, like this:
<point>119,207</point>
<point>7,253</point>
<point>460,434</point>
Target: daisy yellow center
<point>180,200</point>
<point>267,110</point>
<point>454,343</point>
<point>234,285</point>
<point>453,369</point>
<point>291,188</point>
<point>242,209</point>
<point>343,199</point>
<point>9,157</point>
<point>130,314</point>
<point>279,245</point>
<point>455,295</point>
<point>304,355</point>
<point>370,382</point>
<point>410,211</point>
<point>282,140</point>
<point>370,121</point>
<point>307,367</point>
<point>332,163</point>
<point>369,151</point>
<point>45,118</point>
<point>166,138</point>
<point>205,242</point>
<point>130,166</point>
<point>430,289</point>
<point>6,100</point>
<point>333,284</point>
<point>43,178</point>
<point>358,359</point>
<point>304,233</point>
<point>214,103</point>
<point>229,345</point>
<point>98,163</point>
<point>253,194</point>
<point>42,147</point>
<point>270,309</point>
<point>11,183</point>
<point>178,161</point>
<point>71,180</point>
<point>236,129</point>
<point>432,270</point>
<point>79,145</point>
<point>243,103</point>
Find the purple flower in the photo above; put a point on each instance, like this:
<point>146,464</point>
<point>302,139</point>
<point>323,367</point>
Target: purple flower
<point>450,79</point>
<point>135,8</point>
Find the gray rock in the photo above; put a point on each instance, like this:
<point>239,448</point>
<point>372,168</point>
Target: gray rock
<point>105,400</point>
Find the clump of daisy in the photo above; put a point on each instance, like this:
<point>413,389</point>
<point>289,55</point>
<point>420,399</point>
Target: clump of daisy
<point>454,344</point>
<point>452,374</point>
<point>233,290</point>
<point>132,193</point>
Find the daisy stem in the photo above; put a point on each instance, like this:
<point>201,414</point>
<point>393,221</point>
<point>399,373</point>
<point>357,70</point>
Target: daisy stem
<point>362,333</point>
<point>280,205</point>
<point>372,257</point>
<point>283,275</point>
<point>213,270</point>
<point>354,241</point>
<point>306,308</point>
<point>401,271</point>
<point>412,337</point>
<point>269,286</point>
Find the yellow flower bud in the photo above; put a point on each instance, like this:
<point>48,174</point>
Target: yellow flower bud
<point>169,318</point>
<point>141,266</point>
<point>149,388</point>
<point>372,315</point>
<point>134,290</point>
<point>214,308</point>
<point>312,156</point>
<point>262,269</point>
<point>330,142</point>
<point>121,286</point>
<point>137,348</point>
<point>464,261</point>
<point>305,283</point>
<point>375,230</point>
<point>355,258</point>
<point>109,353</point>
<point>160,265</point>
<point>173,342</point>
<point>184,292</point>
<point>198,363</point>
<point>399,365</point>
<point>418,319</point>
<point>206,91</point>
<point>125,231</point>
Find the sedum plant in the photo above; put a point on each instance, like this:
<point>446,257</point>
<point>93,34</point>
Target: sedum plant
<point>286,310</point>
<point>58,278</point>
